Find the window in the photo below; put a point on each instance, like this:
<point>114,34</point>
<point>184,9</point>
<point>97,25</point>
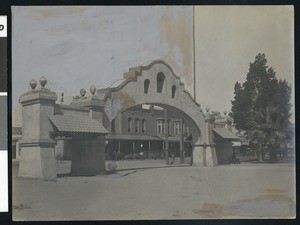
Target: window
<point>144,126</point>
<point>173,91</point>
<point>187,131</point>
<point>160,82</point>
<point>169,127</point>
<point>176,128</point>
<point>146,86</point>
<point>113,126</point>
<point>137,125</point>
<point>160,126</point>
<point>129,125</point>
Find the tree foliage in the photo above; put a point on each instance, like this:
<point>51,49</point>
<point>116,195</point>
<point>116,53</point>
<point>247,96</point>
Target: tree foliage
<point>261,107</point>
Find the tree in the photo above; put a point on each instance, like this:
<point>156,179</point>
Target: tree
<point>261,107</point>
<point>240,107</point>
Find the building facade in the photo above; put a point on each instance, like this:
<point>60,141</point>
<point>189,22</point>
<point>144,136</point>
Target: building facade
<point>145,129</point>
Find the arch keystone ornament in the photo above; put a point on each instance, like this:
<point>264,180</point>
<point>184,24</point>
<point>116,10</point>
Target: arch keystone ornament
<point>157,84</point>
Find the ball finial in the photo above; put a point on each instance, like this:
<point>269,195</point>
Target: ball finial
<point>207,109</point>
<point>82,92</point>
<point>32,84</point>
<point>93,90</point>
<point>43,81</point>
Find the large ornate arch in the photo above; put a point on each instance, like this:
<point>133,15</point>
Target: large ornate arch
<point>129,92</point>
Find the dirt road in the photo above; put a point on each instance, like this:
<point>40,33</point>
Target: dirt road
<point>149,190</point>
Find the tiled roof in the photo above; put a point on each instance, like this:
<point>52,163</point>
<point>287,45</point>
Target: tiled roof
<point>226,134</point>
<point>77,124</point>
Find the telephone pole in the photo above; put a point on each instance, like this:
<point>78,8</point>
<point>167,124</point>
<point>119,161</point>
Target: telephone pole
<point>166,136</point>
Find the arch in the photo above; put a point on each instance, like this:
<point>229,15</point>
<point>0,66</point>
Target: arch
<point>160,82</point>
<point>173,91</point>
<point>129,94</point>
<point>146,86</point>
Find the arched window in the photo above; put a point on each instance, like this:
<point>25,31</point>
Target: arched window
<point>146,86</point>
<point>173,91</point>
<point>129,125</point>
<point>160,82</point>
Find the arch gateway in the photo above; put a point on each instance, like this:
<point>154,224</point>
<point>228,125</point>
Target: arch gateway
<point>88,120</point>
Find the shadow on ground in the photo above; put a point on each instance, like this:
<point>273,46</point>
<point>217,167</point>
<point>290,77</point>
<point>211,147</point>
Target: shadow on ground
<point>252,207</point>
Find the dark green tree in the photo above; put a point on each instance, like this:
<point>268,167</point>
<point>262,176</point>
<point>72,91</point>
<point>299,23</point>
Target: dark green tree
<point>261,108</point>
<point>240,107</point>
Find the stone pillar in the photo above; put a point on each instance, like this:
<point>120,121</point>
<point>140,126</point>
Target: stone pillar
<point>204,153</point>
<point>95,105</point>
<point>229,121</point>
<point>198,154</point>
<point>37,158</point>
<point>181,142</point>
<point>18,152</point>
<point>209,150</point>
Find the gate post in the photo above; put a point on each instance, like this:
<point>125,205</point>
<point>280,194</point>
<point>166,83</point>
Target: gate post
<point>204,154</point>
<point>209,150</point>
<point>96,145</point>
<point>37,147</point>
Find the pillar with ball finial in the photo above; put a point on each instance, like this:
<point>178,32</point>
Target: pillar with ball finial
<point>37,158</point>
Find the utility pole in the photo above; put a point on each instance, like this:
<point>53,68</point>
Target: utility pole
<point>181,142</point>
<point>166,136</point>
<point>194,53</point>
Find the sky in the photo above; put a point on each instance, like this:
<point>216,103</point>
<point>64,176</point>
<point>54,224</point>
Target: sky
<point>227,39</point>
<point>77,47</point>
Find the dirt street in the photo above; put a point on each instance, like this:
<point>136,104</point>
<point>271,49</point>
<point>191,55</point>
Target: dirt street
<point>149,190</point>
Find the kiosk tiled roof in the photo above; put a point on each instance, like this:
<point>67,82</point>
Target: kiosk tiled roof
<point>225,134</point>
<point>77,124</point>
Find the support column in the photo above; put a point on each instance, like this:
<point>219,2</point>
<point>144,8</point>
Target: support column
<point>204,153</point>
<point>37,158</point>
<point>181,143</point>
<point>210,151</point>
<point>198,155</point>
<point>166,136</point>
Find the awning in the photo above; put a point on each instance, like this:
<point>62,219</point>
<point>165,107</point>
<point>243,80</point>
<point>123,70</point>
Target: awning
<point>225,134</point>
<point>77,124</point>
<point>140,137</point>
<point>132,137</point>
<point>244,141</point>
<point>170,138</point>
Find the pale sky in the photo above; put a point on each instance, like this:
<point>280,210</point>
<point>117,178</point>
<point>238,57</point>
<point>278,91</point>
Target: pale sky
<point>229,37</point>
<point>76,47</point>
